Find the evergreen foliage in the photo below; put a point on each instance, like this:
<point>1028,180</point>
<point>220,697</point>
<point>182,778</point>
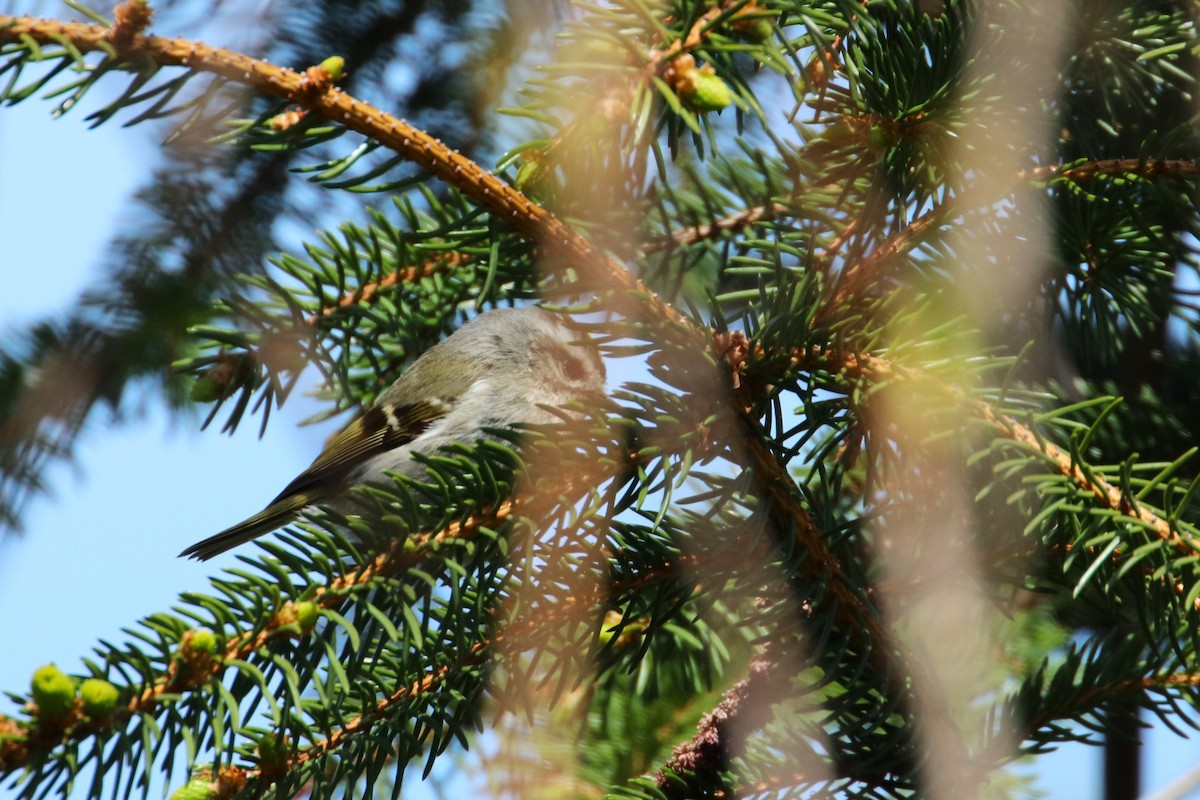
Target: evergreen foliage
<point>907,489</point>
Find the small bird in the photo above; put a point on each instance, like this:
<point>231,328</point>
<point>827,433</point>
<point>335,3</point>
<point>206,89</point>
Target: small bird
<point>497,370</point>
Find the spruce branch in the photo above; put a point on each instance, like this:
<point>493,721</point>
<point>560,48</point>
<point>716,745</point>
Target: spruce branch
<point>717,228</point>
<point>1186,544</point>
<point>518,633</point>
<point>709,749</point>
<point>130,18</point>
<point>902,673</point>
<point>865,272</point>
<point>194,668</point>
<point>826,61</point>
<point>876,370</point>
<point>661,59</point>
<point>700,763</point>
<point>369,292</point>
<point>315,91</point>
<point>1148,168</point>
<point>475,654</point>
<point>193,671</point>
<point>729,505</point>
<point>1083,702</point>
<point>658,63</point>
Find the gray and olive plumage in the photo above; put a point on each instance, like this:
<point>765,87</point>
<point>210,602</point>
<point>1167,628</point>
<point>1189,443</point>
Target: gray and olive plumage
<point>495,371</point>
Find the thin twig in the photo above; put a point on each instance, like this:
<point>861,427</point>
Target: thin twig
<point>370,291</point>
<point>711,230</point>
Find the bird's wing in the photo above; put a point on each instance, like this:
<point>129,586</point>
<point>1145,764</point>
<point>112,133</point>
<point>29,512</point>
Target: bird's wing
<point>381,428</point>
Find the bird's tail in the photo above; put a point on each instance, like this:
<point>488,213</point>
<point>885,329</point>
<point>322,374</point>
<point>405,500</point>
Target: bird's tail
<point>273,516</point>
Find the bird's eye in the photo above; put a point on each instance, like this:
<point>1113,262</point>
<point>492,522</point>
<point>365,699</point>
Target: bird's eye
<point>574,369</point>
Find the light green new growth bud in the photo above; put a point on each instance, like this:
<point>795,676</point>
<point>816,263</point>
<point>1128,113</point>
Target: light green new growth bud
<point>527,173</point>
<point>307,614</point>
<point>269,749</point>
<point>625,634</point>
<point>195,789</point>
<point>536,178</point>
<point>203,641</point>
<point>334,66</point>
<point>878,138</point>
<point>273,756</point>
<point>99,697</point>
<point>196,658</point>
<point>708,93</point>
<point>231,371</point>
<point>204,390</point>
<point>759,30</point>
<point>53,692</point>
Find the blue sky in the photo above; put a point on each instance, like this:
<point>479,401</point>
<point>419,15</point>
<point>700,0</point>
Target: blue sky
<point>101,552</point>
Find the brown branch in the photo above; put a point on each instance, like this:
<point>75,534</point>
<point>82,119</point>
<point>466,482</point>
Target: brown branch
<point>660,60</point>
<point>865,273</point>
<point>529,629</point>
<point>129,19</point>
<point>825,61</point>
<point>1149,168</point>
<point>1088,701</point>
<point>309,90</point>
<point>192,670</point>
<point>821,565</point>
<point>1108,495</point>
<point>1173,679</point>
<point>900,671</point>
<point>389,562</point>
<point>877,370</point>
<point>476,654</point>
<point>235,778</point>
<point>711,230</point>
<point>736,222</point>
<point>886,652</point>
<point>370,291</point>
<point>744,708</point>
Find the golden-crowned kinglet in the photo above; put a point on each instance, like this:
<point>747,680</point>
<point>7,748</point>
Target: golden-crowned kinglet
<point>495,371</point>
